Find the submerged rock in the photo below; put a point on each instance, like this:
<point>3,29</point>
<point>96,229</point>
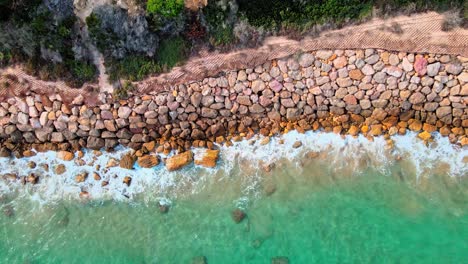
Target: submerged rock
<point>280,260</point>
<point>238,215</point>
<point>297,144</point>
<point>199,260</point>
<point>164,208</point>
<point>60,169</point>
<point>8,211</point>
<point>179,161</point>
<point>209,159</point>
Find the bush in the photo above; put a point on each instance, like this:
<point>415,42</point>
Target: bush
<point>166,8</point>
<point>171,52</point>
<point>220,28</point>
<point>132,68</point>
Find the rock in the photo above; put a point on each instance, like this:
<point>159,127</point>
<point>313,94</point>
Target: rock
<point>95,143</point>
<point>420,65</point>
<point>244,100</point>
<point>127,161</point>
<point>367,70</point>
<point>417,98</point>
<point>257,86</point>
<point>148,161</point>
<point>356,74</point>
<point>209,113</point>
<point>56,137</point>
<point>196,98</point>
<point>163,208</point>
<point>424,135</point>
<point>344,82</point>
<point>65,155</point>
<point>393,59</point>
<point>443,111</point>
<point>256,109</point>
<point>238,215</point>
<point>209,159</point>
<point>324,54</point>
<point>179,161</point>
<point>380,77</point>
<point>340,62</point>
<point>124,112</point>
<point>280,260</point>
<point>306,60</point>
<point>32,178</point>
<point>199,260</point>
<point>373,59</point>
<point>81,177</point>
<point>454,69</point>
<point>433,69</point>
<point>78,100</point>
<point>4,153</point>
<point>60,169</point>
<point>297,144</point>
<point>127,180</point>
<point>407,66</point>
<point>96,176</point>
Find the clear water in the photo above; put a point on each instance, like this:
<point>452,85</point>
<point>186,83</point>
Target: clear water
<point>344,206</point>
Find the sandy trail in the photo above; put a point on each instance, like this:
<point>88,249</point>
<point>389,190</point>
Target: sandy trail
<point>419,33</point>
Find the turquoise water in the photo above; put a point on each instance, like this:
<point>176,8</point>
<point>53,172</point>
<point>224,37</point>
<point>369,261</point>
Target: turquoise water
<point>315,216</point>
<point>334,200</point>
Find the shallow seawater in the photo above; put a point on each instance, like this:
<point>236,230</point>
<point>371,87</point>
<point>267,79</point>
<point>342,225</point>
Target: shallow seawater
<point>333,200</point>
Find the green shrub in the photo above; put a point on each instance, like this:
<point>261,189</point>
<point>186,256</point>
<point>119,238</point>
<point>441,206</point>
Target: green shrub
<point>171,52</point>
<point>220,30</point>
<point>132,68</point>
<point>166,8</point>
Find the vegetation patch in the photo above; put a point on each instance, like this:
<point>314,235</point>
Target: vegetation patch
<point>166,8</point>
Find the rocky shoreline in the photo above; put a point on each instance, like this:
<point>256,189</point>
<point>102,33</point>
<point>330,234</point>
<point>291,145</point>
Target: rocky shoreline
<point>370,92</point>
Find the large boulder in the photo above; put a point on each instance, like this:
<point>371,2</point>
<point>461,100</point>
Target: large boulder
<point>179,161</point>
<point>208,159</point>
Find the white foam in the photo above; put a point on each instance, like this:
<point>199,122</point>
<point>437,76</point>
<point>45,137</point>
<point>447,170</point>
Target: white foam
<point>158,184</point>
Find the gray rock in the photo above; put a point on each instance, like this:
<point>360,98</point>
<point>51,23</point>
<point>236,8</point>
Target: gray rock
<point>373,59</point>
<point>306,60</point>
<point>433,69</point>
<point>324,54</point>
<point>95,143</point>
<point>124,112</point>
<point>209,113</point>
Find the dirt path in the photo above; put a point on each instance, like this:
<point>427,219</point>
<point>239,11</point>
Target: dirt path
<point>418,33</point>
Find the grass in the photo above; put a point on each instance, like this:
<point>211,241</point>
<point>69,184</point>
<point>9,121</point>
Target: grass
<point>171,52</point>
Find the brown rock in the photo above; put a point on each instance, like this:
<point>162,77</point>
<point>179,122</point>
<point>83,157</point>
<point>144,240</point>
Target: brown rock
<point>29,153</point>
<point>127,180</point>
<point>148,161</point>
<point>127,161</point>
<point>96,176</point>
<point>356,74</point>
<point>297,144</point>
<point>81,177</point>
<point>65,155</point>
<point>415,125</point>
<point>238,215</point>
<point>32,178</point>
<point>179,161</point>
<point>149,146</point>
<point>209,159</point>
<point>60,169</point>
<point>376,130</point>
<point>353,130</point>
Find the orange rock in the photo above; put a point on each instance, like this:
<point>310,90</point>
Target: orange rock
<point>356,74</point>
<point>353,130</point>
<point>127,161</point>
<point>127,180</point>
<point>96,176</point>
<point>444,131</point>
<point>429,128</point>
<point>364,129</point>
<point>457,131</point>
<point>150,145</point>
<point>415,125</point>
<point>81,177</point>
<point>209,159</point>
<point>29,153</point>
<point>148,161</point>
<point>464,142</point>
<point>179,161</point>
<point>376,130</point>
<point>425,135</point>
<point>337,129</point>
<point>65,155</point>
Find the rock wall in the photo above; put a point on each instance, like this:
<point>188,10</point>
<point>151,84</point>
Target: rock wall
<point>368,91</point>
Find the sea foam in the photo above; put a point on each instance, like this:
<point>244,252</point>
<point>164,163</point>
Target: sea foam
<point>243,159</point>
